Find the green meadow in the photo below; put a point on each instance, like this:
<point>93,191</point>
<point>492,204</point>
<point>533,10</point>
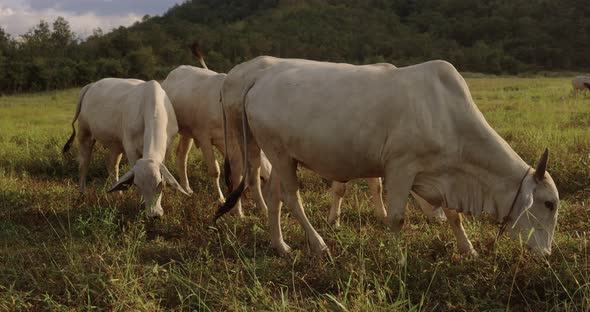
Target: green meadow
<point>62,251</point>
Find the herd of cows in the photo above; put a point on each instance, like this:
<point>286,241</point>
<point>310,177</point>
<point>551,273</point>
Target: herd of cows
<point>417,127</point>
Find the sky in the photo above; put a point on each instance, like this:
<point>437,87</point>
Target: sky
<point>18,16</point>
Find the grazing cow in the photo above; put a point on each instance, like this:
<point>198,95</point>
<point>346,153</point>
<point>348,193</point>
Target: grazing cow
<point>580,83</point>
<point>131,116</point>
<point>417,126</point>
<point>194,93</point>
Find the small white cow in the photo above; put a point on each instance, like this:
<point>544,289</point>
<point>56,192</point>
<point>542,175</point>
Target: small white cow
<point>580,83</point>
<point>195,96</point>
<point>417,126</point>
<point>130,116</point>
<point>194,93</point>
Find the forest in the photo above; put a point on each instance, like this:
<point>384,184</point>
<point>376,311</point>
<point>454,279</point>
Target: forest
<point>495,37</point>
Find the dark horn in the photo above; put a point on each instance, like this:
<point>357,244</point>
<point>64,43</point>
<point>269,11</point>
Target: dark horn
<point>542,166</point>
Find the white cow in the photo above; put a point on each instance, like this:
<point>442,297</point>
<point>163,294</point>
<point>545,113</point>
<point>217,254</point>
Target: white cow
<point>580,83</point>
<point>417,126</point>
<point>130,116</point>
<point>194,93</point>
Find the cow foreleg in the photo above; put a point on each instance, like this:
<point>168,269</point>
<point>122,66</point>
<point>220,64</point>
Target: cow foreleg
<point>375,190</point>
<point>398,187</point>
<point>184,146</point>
<point>463,243</point>
<point>113,161</point>
<point>338,190</point>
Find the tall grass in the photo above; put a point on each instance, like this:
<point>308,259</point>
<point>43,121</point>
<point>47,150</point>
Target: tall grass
<point>62,251</point>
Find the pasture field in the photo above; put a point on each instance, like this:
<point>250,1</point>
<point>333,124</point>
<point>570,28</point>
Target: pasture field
<point>60,251</point>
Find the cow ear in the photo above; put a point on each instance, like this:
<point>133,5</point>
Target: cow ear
<point>542,166</point>
<point>171,180</point>
<point>124,182</point>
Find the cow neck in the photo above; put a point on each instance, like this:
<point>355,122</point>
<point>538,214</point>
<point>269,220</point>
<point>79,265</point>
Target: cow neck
<point>155,131</point>
<point>497,168</point>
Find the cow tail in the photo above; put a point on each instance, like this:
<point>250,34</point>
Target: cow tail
<point>68,144</point>
<point>587,85</point>
<point>234,196</point>
<point>226,164</point>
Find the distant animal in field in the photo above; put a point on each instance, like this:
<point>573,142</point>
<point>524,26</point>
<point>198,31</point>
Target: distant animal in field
<point>580,84</point>
<point>133,117</point>
<point>416,126</point>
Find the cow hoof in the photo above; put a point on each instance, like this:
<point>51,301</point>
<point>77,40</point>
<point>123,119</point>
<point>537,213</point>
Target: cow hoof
<point>155,217</point>
<point>395,225</point>
<point>380,215</point>
<point>238,213</point>
<point>320,249</point>
<point>469,253</point>
<point>283,249</point>
<point>334,221</point>
<point>155,214</point>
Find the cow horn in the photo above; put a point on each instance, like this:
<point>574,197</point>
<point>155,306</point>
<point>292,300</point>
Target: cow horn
<point>542,166</point>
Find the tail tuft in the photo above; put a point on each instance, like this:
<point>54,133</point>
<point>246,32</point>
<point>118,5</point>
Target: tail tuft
<point>231,201</point>
<point>68,144</point>
<point>197,52</point>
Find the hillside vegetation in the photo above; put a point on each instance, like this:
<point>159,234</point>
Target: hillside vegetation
<point>60,251</point>
<point>499,36</point>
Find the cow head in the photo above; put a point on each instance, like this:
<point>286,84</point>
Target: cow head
<point>148,175</point>
<point>535,212</point>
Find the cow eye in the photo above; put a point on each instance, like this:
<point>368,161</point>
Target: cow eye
<point>549,205</point>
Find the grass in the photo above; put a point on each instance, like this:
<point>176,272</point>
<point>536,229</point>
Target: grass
<point>60,251</point>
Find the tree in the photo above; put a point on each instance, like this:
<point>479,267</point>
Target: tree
<point>142,63</point>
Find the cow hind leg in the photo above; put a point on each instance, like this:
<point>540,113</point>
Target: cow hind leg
<point>254,162</point>
<point>182,150</point>
<point>235,165</point>
<point>86,142</point>
<point>463,243</point>
<point>287,171</point>
<point>213,170</point>
<point>338,190</point>
<point>375,190</point>
<point>274,214</point>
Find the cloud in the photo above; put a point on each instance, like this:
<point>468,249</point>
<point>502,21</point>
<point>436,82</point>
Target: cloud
<point>106,7</point>
<point>19,16</point>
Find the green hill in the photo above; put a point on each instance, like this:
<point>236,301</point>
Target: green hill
<point>501,36</point>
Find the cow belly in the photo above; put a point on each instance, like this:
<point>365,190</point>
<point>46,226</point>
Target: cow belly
<point>337,154</point>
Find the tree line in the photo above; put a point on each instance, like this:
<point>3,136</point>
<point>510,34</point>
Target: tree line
<point>496,36</point>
